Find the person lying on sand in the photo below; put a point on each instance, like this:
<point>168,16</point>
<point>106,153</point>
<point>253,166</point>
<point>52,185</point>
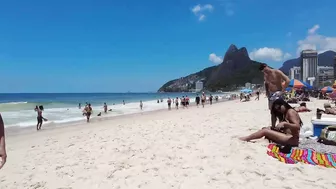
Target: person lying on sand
<point>3,154</point>
<point>328,109</point>
<point>290,124</point>
<point>302,108</point>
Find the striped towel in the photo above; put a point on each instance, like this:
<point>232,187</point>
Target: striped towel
<point>307,156</point>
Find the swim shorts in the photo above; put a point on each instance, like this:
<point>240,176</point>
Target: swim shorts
<point>273,97</point>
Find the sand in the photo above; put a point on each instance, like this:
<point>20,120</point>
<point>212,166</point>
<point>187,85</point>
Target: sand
<point>188,148</point>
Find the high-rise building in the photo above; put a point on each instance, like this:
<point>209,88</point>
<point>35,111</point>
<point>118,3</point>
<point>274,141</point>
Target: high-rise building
<point>335,68</point>
<point>325,74</point>
<point>199,86</point>
<point>295,73</point>
<point>309,62</point>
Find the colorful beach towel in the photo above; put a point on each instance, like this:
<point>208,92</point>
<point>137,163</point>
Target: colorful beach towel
<point>307,156</point>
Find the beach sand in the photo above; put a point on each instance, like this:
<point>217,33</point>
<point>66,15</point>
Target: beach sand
<point>188,148</point>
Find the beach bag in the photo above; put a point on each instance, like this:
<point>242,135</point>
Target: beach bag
<point>328,135</point>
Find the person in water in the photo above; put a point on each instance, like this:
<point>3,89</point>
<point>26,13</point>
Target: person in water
<point>3,154</point>
<point>40,118</point>
<point>141,104</point>
<point>287,131</point>
<point>88,111</point>
<point>105,107</point>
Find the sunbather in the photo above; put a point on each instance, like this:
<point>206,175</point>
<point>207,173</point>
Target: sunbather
<point>302,108</point>
<point>290,124</point>
<point>328,109</point>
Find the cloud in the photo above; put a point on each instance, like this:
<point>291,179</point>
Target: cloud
<point>200,10</point>
<point>313,29</point>
<point>215,59</point>
<point>316,41</point>
<point>269,54</point>
<point>229,9</point>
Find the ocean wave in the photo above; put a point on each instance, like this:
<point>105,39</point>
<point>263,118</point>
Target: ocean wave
<point>13,103</point>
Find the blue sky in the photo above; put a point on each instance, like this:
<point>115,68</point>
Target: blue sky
<point>120,46</point>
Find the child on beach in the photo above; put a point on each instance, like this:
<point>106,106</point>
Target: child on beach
<point>3,154</point>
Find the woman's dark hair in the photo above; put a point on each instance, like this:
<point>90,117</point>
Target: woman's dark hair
<point>41,108</point>
<point>280,102</point>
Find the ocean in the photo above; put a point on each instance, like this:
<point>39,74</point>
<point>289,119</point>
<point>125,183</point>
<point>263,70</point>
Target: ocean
<point>17,109</point>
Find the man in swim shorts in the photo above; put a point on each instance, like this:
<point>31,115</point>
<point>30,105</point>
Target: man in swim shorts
<point>273,84</point>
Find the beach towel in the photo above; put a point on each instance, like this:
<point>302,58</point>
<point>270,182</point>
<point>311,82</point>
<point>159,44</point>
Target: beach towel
<point>307,156</point>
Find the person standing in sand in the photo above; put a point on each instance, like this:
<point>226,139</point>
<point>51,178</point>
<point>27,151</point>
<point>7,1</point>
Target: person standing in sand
<point>177,103</point>
<point>141,104</point>
<point>203,99</point>
<point>88,111</point>
<point>3,154</point>
<point>169,103</point>
<point>273,84</point>
<point>40,118</point>
<point>197,100</point>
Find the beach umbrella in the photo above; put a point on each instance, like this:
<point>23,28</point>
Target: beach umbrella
<point>307,85</point>
<point>288,89</point>
<point>246,91</point>
<point>327,89</point>
<point>296,83</point>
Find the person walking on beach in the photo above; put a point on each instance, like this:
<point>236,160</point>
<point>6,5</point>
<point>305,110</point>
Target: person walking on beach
<point>3,154</point>
<point>258,94</point>
<point>40,118</point>
<point>210,99</point>
<point>176,103</point>
<point>169,103</point>
<point>203,99</point>
<point>88,111</point>
<point>187,101</point>
<point>141,105</point>
<point>273,84</point>
<point>105,107</point>
<point>197,100</point>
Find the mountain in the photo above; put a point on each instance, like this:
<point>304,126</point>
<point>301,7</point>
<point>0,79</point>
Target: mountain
<point>236,69</point>
<point>324,59</point>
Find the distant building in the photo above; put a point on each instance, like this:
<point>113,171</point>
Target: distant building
<point>199,86</point>
<point>248,85</point>
<point>324,74</point>
<point>295,73</point>
<point>335,68</point>
<point>309,62</point>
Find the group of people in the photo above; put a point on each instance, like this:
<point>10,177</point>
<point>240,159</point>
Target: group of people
<point>287,131</point>
<point>185,101</point>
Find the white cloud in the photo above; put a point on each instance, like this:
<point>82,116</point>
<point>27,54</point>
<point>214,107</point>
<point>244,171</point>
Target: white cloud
<point>313,29</point>
<point>269,54</point>
<point>316,41</point>
<point>229,9</point>
<point>215,59</point>
<point>200,10</point>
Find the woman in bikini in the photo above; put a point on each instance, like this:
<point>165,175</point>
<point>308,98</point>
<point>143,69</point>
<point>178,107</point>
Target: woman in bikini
<point>287,131</point>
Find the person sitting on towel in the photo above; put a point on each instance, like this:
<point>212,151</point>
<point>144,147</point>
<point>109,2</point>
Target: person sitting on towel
<point>290,123</point>
<point>328,109</point>
<point>302,108</point>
